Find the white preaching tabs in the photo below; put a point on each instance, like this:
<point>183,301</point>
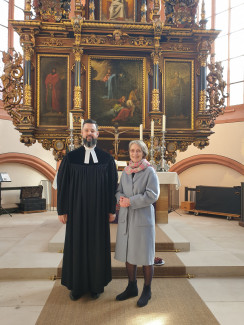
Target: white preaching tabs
<point>90,151</point>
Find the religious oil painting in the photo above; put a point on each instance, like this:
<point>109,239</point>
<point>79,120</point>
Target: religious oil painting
<point>52,90</point>
<point>118,10</point>
<point>117,90</point>
<point>179,93</point>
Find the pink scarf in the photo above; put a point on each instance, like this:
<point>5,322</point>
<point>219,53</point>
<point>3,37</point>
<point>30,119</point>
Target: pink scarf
<point>136,167</point>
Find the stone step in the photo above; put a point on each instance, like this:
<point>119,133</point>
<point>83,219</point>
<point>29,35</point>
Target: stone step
<point>167,239</point>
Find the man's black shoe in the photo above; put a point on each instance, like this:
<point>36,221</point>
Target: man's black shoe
<point>74,296</point>
<point>95,295</point>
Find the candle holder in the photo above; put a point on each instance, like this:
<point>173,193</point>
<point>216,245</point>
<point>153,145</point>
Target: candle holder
<point>152,162</point>
<point>164,166</point>
<point>71,145</point>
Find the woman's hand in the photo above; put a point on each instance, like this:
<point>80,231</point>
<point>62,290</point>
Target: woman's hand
<point>63,218</point>
<point>124,202</point>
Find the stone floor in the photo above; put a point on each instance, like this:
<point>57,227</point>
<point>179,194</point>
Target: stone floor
<point>28,259</point>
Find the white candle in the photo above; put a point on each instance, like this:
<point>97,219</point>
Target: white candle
<point>70,120</point>
<point>152,128</point>
<point>82,121</point>
<point>164,123</point>
<point>141,132</point>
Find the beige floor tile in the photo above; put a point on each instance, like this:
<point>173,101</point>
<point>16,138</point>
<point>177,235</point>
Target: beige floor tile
<point>227,313</point>
<point>19,315</point>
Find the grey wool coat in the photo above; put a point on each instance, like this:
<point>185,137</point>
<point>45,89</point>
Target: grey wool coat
<point>135,242</point>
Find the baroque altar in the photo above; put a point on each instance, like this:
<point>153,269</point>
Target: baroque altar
<point>124,64</point>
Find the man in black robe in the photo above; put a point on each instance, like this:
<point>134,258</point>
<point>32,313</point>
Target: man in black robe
<point>87,183</point>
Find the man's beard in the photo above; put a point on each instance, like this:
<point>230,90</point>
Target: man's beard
<point>90,143</point>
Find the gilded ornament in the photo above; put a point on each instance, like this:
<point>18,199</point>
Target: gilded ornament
<point>78,52</point>
<point>77,39</point>
<point>201,144</point>
<point>178,48</point>
<point>27,5</point>
<point>156,56</point>
<point>93,39</point>
<point>77,24</point>
<point>141,41</point>
<point>58,145</point>
<point>158,28</point>
<point>27,95</point>
<point>12,84</point>
<point>53,41</point>
<point>171,147</point>
<point>155,100</point>
<point>46,144</point>
<point>28,52</point>
<point>183,145</point>
<point>28,140</point>
<point>26,39</point>
<point>215,91</point>
<point>77,97</point>
<point>202,100</point>
<point>202,123</point>
<point>52,10</point>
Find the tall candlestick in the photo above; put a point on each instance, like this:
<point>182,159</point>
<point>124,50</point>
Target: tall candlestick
<point>141,132</point>
<point>164,123</point>
<point>82,121</point>
<point>152,128</point>
<point>71,121</point>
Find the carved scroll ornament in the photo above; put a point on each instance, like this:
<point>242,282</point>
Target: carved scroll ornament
<point>12,84</point>
<point>215,91</point>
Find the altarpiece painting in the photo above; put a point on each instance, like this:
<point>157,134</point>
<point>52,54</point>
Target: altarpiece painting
<point>52,91</point>
<point>116,90</point>
<point>179,93</point>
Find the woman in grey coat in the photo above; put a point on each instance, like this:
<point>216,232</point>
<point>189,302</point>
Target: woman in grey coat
<point>135,243</point>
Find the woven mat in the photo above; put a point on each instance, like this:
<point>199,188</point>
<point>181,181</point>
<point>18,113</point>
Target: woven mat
<point>173,302</point>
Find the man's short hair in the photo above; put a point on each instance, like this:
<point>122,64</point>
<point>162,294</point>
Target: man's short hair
<point>90,121</point>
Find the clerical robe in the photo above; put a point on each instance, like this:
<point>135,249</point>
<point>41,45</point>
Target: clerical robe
<point>86,193</point>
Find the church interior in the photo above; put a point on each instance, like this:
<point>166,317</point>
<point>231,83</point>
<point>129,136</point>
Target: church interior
<point>167,72</point>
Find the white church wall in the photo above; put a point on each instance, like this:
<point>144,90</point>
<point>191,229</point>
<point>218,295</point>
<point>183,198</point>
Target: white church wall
<point>227,141</point>
<point>208,175</point>
<point>20,175</point>
<point>10,143</point>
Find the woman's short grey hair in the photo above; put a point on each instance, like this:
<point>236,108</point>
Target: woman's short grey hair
<point>142,145</point>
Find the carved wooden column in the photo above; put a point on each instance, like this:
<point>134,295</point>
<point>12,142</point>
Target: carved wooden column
<point>78,111</point>
<point>204,48</point>
<point>27,121</point>
<point>155,114</point>
<point>202,117</point>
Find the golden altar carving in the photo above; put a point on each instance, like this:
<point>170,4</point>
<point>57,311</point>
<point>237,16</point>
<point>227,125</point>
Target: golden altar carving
<point>156,57</point>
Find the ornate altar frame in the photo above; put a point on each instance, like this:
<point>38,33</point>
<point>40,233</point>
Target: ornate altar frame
<point>54,32</point>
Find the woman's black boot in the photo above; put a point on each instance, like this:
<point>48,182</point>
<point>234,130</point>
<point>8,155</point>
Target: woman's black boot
<point>145,296</point>
<point>130,291</point>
